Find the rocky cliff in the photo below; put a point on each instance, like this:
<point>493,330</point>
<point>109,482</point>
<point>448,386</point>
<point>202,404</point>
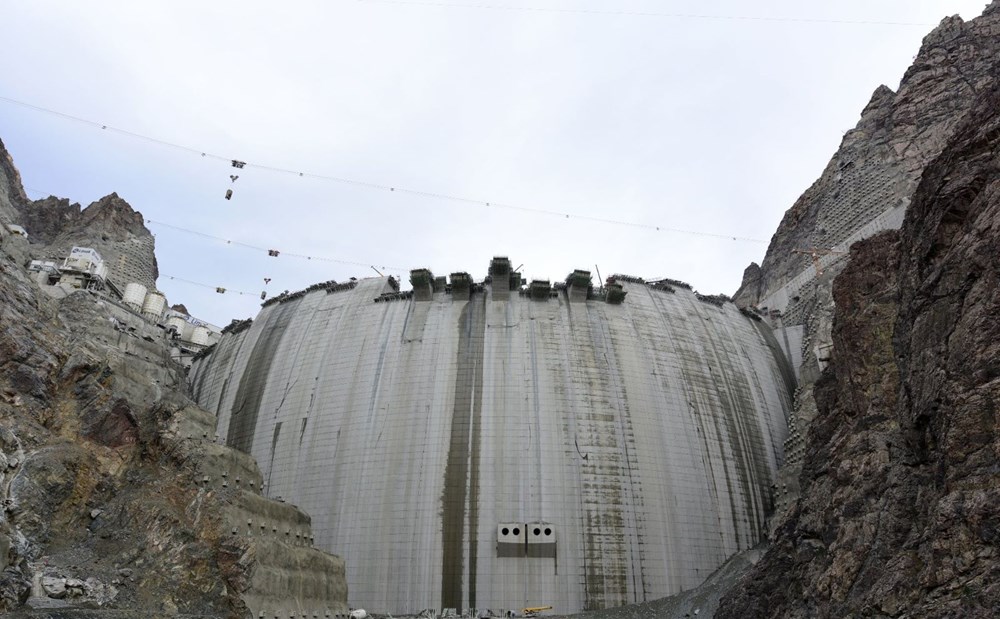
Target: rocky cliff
<point>900,507</point>
<point>109,225</point>
<point>114,492</point>
<point>55,226</point>
<point>12,195</point>
<point>871,179</point>
<point>867,187</point>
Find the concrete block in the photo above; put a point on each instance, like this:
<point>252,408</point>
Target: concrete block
<point>578,285</point>
<point>461,286</point>
<point>422,281</point>
<point>539,289</point>
<point>540,539</point>
<point>510,539</point>
<point>500,271</point>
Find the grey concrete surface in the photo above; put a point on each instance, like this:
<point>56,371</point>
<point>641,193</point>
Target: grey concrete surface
<point>645,435</point>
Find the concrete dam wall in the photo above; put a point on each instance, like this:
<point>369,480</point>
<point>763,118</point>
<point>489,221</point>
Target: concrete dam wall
<point>497,450</point>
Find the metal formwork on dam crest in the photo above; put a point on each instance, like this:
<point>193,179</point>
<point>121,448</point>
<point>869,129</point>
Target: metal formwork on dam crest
<point>584,448</point>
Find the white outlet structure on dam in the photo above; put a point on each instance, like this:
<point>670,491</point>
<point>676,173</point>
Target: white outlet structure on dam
<point>497,450</point>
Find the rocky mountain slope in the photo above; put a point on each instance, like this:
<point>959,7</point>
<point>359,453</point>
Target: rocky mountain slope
<point>115,494</point>
<point>879,163</point>
<point>12,195</point>
<point>55,225</point>
<point>900,507</point>
<point>867,187</point>
<point>109,225</point>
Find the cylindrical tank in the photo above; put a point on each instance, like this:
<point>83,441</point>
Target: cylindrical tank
<point>135,294</point>
<point>154,305</point>
<point>177,322</point>
<point>200,336</point>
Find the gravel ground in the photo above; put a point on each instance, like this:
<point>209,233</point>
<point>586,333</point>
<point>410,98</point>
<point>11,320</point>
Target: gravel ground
<point>700,602</point>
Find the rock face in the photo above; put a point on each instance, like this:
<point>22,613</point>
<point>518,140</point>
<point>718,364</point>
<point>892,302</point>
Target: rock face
<point>871,179</point>
<point>12,195</point>
<point>109,225</point>
<point>114,493</point>
<point>894,446</point>
<point>867,187</point>
<point>900,507</point>
<point>55,225</point>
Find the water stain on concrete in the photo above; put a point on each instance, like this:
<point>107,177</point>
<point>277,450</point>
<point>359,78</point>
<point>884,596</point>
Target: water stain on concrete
<point>460,497</point>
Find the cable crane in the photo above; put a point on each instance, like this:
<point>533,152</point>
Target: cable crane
<point>236,163</point>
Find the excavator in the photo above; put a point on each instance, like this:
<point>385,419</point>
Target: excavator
<point>534,611</point>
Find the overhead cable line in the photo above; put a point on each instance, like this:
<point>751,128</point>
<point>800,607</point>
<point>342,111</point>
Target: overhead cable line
<point>270,252</point>
<point>606,12</point>
<point>390,188</point>
<point>219,289</point>
<point>274,253</point>
<point>104,127</point>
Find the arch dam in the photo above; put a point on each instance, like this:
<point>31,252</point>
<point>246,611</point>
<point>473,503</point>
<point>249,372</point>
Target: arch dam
<point>498,445</point>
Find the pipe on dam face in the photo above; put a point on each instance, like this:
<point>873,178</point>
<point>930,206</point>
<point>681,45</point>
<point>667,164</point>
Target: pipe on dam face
<point>632,446</point>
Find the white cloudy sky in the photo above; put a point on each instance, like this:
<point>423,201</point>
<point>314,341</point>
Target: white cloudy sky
<point>709,125</point>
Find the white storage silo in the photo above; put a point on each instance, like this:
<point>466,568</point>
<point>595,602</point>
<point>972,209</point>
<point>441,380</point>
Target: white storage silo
<point>176,322</point>
<point>135,294</point>
<point>154,305</point>
<point>200,336</point>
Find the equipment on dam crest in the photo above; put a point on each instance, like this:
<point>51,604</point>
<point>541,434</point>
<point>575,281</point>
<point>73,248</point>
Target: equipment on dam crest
<point>480,451</point>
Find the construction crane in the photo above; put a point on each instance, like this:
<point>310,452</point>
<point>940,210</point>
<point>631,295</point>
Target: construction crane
<point>533,611</point>
<point>816,253</point>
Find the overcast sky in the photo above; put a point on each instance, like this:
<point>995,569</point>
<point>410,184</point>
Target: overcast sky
<point>611,109</point>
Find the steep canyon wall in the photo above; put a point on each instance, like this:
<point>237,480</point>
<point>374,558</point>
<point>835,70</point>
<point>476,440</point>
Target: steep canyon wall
<point>900,507</point>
